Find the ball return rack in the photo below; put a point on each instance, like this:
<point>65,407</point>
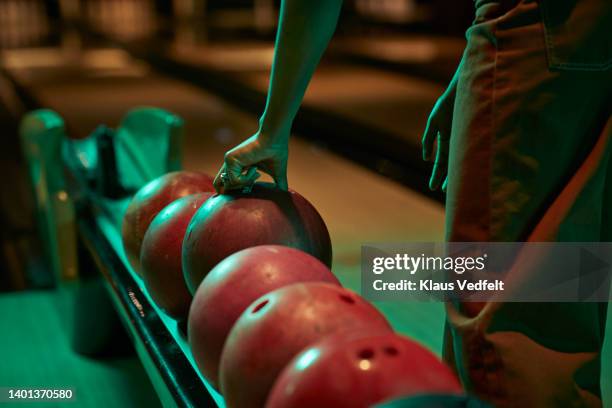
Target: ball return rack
<point>82,188</point>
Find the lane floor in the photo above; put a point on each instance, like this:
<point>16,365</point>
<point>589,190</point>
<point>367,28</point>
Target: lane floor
<point>36,352</point>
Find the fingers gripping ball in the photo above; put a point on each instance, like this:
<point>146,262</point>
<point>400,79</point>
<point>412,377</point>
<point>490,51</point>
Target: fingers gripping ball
<point>150,200</point>
<point>277,326</point>
<point>359,372</point>
<point>160,256</point>
<point>230,222</point>
<point>233,285</point>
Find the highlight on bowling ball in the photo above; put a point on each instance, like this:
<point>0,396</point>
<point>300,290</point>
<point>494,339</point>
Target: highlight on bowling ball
<point>160,256</point>
<point>150,200</point>
<point>233,285</point>
<point>359,371</point>
<point>228,223</point>
<point>280,324</point>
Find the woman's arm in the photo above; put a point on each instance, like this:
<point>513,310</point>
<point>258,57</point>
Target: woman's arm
<point>305,28</point>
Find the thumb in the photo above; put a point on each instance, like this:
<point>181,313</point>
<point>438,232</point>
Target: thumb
<point>429,137</point>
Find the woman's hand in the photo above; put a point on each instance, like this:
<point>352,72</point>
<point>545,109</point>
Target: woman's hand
<point>438,133</point>
<point>259,152</point>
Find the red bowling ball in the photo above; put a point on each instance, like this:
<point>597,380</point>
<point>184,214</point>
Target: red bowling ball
<point>150,200</point>
<point>231,222</point>
<point>359,372</point>
<point>277,326</point>
<point>160,256</point>
<point>233,285</point>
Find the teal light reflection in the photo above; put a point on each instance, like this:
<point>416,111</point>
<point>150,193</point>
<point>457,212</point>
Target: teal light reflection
<point>307,358</point>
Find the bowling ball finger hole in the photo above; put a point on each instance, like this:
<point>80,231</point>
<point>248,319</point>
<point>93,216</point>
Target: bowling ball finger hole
<point>391,351</point>
<point>366,354</point>
<point>347,299</point>
<point>260,306</point>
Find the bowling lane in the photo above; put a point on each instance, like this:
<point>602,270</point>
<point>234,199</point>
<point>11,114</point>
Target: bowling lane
<point>391,102</point>
<point>357,204</point>
<point>433,57</point>
<point>364,104</point>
